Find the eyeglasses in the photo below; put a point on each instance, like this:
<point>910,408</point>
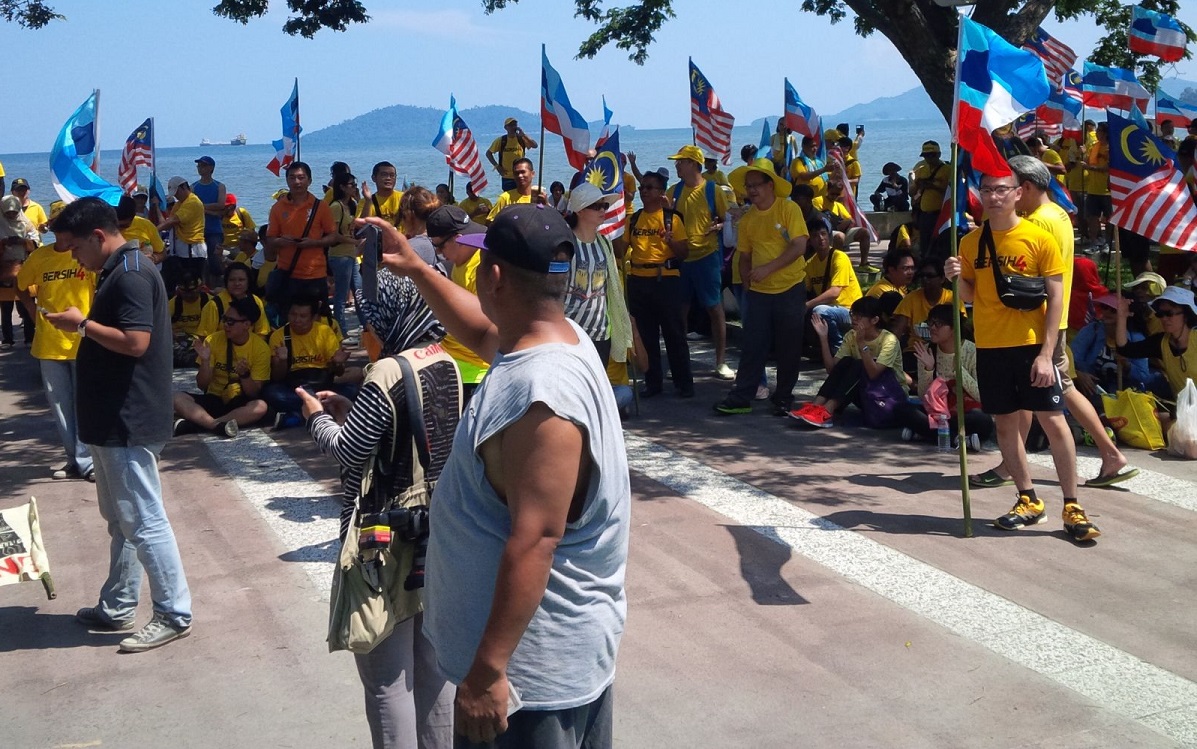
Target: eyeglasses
<point>936,324</point>
<point>1168,313</point>
<point>755,185</point>
<point>233,320</point>
<point>600,206</point>
<point>1001,190</point>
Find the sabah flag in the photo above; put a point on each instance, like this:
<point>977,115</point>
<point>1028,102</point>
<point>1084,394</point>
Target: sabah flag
<point>1114,88</point>
<point>1157,34</point>
<point>803,119</point>
<point>284,149</point>
<point>1167,108</point>
<point>559,116</point>
<point>995,83</point>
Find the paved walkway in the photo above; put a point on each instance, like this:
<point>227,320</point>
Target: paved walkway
<point>786,587</point>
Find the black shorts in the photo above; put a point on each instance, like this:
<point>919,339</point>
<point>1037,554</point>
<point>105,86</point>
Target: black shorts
<point>215,406</point>
<point>1004,379</point>
<point>1098,205</point>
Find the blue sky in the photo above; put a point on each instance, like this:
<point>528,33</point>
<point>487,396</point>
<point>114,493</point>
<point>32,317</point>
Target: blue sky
<point>202,76</point>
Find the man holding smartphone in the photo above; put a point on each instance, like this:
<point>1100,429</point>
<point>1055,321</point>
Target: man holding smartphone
<point>510,148</point>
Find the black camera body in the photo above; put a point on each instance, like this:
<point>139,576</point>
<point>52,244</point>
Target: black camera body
<point>409,524</point>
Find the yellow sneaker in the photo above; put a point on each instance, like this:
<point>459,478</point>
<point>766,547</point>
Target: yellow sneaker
<point>1077,525</point>
<point>1026,511</point>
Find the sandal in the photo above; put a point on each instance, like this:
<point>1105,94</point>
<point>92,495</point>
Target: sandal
<point>988,480</point>
<point>1110,479</point>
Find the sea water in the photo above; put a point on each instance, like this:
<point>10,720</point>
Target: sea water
<point>243,168</point>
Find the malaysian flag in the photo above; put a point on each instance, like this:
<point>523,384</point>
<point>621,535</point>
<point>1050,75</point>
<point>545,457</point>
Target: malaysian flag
<point>1061,113</point>
<point>1058,58</point>
<point>461,151</point>
<point>605,171</point>
<point>712,126</point>
<point>836,157</point>
<point>139,151</point>
<point>1026,125</point>
<point>1148,191</point>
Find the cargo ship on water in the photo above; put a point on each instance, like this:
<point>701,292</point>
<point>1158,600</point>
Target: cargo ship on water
<point>238,141</point>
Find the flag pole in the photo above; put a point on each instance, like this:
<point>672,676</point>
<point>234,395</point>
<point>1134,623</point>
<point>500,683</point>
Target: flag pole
<point>297,127</point>
<point>693,131</point>
<point>95,158</point>
<point>540,163</point>
<point>961,439</point>
<point>1118,285</point>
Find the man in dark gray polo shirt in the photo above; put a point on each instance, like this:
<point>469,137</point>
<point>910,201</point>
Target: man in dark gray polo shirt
<point>124,371</point>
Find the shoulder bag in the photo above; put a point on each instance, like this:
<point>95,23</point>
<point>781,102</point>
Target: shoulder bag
<point>1023,293</point>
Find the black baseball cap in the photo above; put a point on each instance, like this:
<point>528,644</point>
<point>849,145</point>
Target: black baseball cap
<point>449,220</point>
<point>20,182</point>
<point>529,236</point>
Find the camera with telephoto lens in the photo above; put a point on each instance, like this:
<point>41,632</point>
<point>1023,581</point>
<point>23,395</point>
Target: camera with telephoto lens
<point>405,524</point>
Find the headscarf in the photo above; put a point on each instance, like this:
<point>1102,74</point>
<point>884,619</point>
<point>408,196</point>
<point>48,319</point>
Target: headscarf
<point>400,317</point>
<point>21,226</point>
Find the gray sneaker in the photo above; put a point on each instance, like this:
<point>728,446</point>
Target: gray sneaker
<point>153,635</point>
<point>94,619</point>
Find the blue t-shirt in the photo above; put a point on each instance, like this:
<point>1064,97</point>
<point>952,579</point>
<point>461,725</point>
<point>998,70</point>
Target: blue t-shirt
<point>566,657</point>
<point>208,194</point>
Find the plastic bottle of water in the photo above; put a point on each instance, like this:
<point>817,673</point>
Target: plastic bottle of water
<point>943,434</point>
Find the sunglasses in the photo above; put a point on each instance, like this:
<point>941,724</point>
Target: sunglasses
<point>600,206</point>
<point>233,320</point>
<point>1168,313</point>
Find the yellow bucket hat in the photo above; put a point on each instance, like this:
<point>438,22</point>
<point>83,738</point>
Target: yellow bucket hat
<point>781,187</point>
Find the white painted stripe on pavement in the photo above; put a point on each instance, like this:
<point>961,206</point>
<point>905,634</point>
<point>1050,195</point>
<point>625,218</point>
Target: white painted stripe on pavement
<point>1110,677</point>
<point>292,503</point>
<point>1150,484</point>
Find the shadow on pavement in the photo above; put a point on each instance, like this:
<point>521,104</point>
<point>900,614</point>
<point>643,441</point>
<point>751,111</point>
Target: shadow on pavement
<point>761,561</point>
<point>925,525</point>
<point>306,509</point>
<point>26,629</point>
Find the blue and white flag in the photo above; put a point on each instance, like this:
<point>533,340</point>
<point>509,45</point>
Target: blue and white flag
<point>75,156</point>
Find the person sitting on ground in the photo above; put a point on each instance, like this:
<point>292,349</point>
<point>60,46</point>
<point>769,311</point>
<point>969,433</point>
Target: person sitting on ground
<point>445,195</point>
<point>804,196</point>
<point>1175,347</point>
<point>185,308</point>
<point>938,360</point>
<point>807,168</point>
<point>893,192</point>
<point>304,352</point>
<point>831,284</point>
<point>137,229</point>
<point>234,366</point>
<point>912,310</point>
<point>476,207</point>
<point>897,271</point>
<point>846,231</point>
<point>236,286</point>
<point>1094,355</point>
<point>867,352</point>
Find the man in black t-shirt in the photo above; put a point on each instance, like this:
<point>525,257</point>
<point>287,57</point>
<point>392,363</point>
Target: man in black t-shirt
<point>124,369</point>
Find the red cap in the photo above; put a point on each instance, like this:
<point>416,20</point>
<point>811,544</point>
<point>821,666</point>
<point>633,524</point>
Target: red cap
<point>230,199</point>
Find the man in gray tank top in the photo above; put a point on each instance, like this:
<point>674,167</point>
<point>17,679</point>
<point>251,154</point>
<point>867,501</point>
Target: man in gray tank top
<point>524,600</point>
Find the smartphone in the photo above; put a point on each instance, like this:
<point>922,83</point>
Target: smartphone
<point>310,391</point>
<point>371,255</point>
<point>43,311</point>
<point>859,129</point>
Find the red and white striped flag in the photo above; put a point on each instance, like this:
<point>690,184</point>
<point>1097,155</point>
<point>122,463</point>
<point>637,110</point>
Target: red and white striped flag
<point>712,126</point>
<point>1148,191</point>
<point>456,141</point>
<point>836,157</point>
<point>1058,58</point>
<point>138,151</point>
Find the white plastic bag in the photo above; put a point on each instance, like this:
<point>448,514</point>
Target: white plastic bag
<point>1182,437</point>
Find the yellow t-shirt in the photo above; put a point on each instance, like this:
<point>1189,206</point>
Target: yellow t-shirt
<point>190,212</point>
<point>387,209</point>
<point>818,184</point>
<point>254,352</point>
<point>691,202</point>
<point>477,209</point>
<point>466,276</point>
<point>766,235</point>
<point>838,209</point>
<point>885,348</point>
<point>884,287</point>
<point>629,192</point>
<point>343,221</point>
<point>61,283</point>
<point>1070,155</point>
<point>1051,158</point>
<point>185,315</point>
<point>1055,221</point>
<point>646,246</point>
<point>915,306</point>
<point>312,350</point>
<point>36,214</point>
<point>509,152</point>
<point>1098,183</point>
<point>210,316</point>
<point>1025,250</point>
<point>932,198</point>
<point>235,224</point>
<point>144,232</point>
<point>717,176</point>
<point>510,197</point>
<point>842,275</point>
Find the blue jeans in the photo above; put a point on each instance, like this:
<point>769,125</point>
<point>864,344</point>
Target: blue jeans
<point>281,396</point>
<point>346,275</point>
<point>130,499</point>
<point>58,379</point>
<point>838,322</point>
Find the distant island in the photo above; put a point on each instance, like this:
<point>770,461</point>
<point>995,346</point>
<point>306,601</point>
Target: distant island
<point>410,125</point>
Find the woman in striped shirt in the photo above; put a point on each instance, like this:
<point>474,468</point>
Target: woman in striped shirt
<point>594,296</point>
